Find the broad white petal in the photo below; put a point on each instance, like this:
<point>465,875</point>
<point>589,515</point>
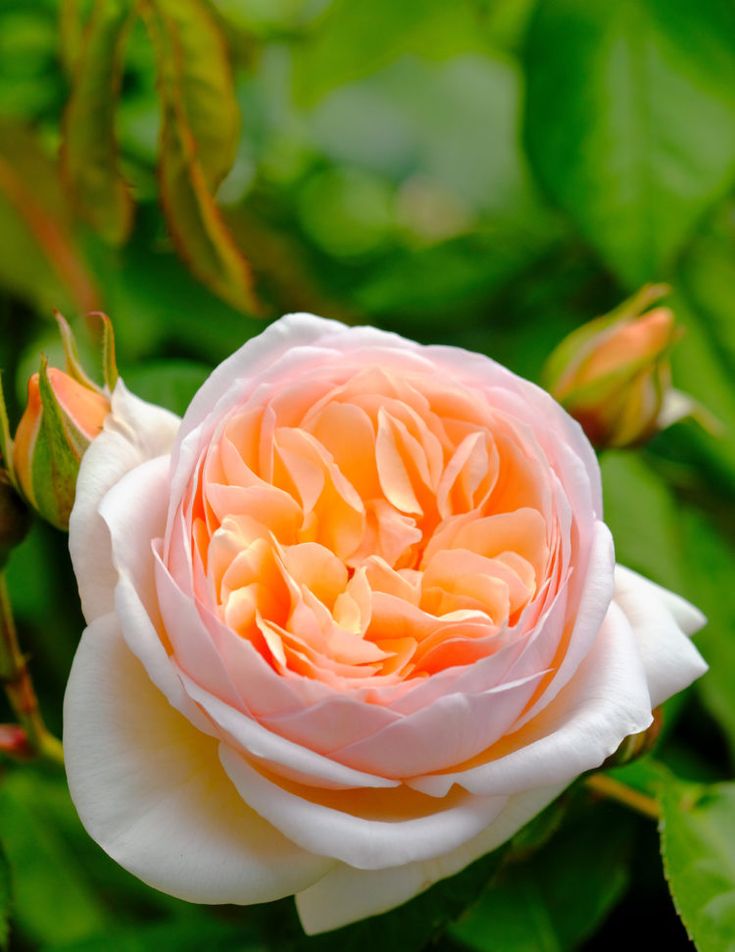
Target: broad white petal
<point>369,829</point>
<point>134,431</point>
<point>661,622</point>
<point>149,788</point>
<point>346,895</point>
<point>605,701</point>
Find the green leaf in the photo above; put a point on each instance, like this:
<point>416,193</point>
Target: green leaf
<point>642,516</point>
<point>710,561</point>
<point>205,83</point>
<point>89,147</point>
<point>353,40</point>
<point>630,120</point>
<point>5,899</point>
<point>186,935</point>
<point>53,899</point>
<point>40,257</point>
<point>698,848</point>
<point>190,167</point>
<point>557,897</point>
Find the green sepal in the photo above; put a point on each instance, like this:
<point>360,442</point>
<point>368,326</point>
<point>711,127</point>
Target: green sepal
<point>73,364</point>
<point>57,454</point>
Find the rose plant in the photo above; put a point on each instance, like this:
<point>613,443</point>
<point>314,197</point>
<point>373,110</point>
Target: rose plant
<point>352,622</point>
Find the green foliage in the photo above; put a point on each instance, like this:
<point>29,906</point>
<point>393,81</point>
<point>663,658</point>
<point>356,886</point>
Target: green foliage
<point>636,151</point>
<point>485,174</point>
<point>698,846</point>
<point>559,896</point>
<point>5,899</point>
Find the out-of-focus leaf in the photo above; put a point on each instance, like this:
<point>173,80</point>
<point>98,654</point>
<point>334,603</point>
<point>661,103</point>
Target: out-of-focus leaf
<point>710,570</point>
<point>5,899</point>
<point>187,170</point>
<point>188,935</point>
<point>170,383</point>
<point>677,546</point>
<point>53,900</point>
<point>352,40</point>
<point>698,848</point>
<point>205,83</point>
<point>642,515</point>
<point>630,120</point>
<point>89,149</point>
<point>39,254</point>
<point>556,898</point>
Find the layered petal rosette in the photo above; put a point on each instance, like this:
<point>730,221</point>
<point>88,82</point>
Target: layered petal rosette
<point>353,621</point>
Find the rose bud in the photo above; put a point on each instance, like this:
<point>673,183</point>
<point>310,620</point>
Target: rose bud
<point>61,419</point>
<point>613,374</point>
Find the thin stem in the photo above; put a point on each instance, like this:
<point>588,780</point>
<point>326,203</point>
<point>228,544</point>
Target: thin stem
<point>16,679</point>
<point>613,789</point>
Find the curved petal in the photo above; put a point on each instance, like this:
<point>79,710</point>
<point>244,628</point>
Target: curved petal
<point>346,895</point>
<point>150,790</point>
<point>605,701</point>
<point>661,621</point>
<point>132,513</point>
<point>369,829</point>
<point>134,431</point>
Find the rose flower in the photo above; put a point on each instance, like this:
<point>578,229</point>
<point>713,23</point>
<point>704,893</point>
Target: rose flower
<point>353,621</point>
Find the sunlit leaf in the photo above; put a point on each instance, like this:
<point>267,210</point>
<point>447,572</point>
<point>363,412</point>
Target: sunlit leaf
<point>186,170</point>
<point>698,847</point>
<point>89,149</point>
<point>630,120</point>
<point>39,253</point>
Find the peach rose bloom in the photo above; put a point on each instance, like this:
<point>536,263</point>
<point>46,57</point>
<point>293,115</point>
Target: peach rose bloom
<point>353,621</point>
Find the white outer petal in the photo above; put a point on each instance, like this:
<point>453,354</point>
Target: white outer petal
<point>150,790</point>
<point>661,622</point>
<point>346,895</point>
<point>134,431</point>
<point>368,837</point>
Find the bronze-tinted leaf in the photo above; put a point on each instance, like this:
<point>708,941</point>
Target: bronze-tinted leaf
<point>188,166</point>
<point>89,149</point>
<point>39,255</point>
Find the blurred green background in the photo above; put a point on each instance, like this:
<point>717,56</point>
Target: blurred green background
<point>487,173</point>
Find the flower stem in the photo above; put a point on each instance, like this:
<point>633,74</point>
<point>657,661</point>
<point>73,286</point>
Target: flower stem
<point>613,789</point>
<point>16,680</point>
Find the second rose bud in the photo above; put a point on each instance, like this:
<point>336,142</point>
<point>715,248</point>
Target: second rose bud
<point>64,413</point>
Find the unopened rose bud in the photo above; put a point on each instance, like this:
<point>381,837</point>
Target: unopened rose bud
<point>613,374</point>
<point>62,418</point>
